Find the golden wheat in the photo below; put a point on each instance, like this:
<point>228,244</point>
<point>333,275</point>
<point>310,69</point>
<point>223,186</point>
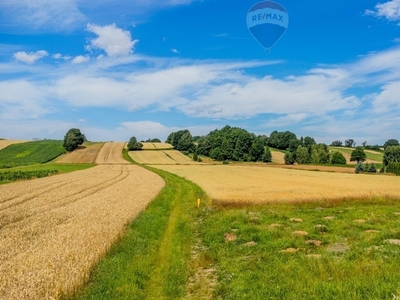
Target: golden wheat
<point>53,230</point>
<point>150,146</point>
<point>168,157</point>
<point>262,184</point>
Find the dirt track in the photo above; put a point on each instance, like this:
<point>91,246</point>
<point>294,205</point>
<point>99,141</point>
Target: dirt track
<point>54,229</point>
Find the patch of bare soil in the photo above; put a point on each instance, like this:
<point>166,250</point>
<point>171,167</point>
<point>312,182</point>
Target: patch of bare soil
<point>82,155</point>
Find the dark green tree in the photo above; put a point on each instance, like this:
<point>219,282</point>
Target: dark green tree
<point>302,156</point>
<point>349,143</point>
<point>337,158</point>
<point>337,143</point>
<point>256,150</point>
<point>267,156</point>
<point>391,142</point>
<point>289,158</point>
<point>134,145</point>
<point>72,139</point>
<point>358,154</point>
<point>391,155</point>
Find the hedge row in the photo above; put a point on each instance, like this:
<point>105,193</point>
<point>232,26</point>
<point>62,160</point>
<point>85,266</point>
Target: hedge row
<point>17,175</point>
<point>393,167</point>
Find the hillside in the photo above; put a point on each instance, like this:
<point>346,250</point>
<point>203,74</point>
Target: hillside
<point>29,153</point>
<point>372,156</point>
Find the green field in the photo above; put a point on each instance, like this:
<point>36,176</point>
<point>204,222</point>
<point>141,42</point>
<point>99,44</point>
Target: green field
<point>30,153</point>
<point>374,155</point>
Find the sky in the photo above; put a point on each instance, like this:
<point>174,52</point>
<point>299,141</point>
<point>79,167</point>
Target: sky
<point>146,68</point>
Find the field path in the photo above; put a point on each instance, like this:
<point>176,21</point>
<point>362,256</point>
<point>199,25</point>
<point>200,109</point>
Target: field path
<point>54,229</point>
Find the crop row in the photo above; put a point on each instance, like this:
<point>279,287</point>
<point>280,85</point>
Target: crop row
<point>17,175</point>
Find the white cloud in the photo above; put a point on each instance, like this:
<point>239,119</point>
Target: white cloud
<point>31,57</point>
<point>80,59</point>
<point>173,50</point>
<point>49,15</point>
<point>113,40</point>
<point>389,10</point>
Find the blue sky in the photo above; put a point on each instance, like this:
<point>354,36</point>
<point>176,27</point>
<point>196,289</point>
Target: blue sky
<point>146,68</point>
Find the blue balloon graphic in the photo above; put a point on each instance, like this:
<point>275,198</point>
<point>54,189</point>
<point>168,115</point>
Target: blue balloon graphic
<point>267,21</point>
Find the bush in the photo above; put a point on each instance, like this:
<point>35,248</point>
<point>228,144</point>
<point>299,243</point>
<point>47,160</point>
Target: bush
<point>289,158</point>
<point>134,145</point>
<point>360,168</point>
<point>371,168</point>
<point>393,167</point>
<point>338,158</point>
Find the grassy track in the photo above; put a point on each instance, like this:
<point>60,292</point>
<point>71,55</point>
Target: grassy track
<point>29,153</point>
<point>152,259</point>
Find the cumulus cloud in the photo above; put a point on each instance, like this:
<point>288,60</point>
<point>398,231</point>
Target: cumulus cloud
<point>80,59</point>
<point>31,57</point>
<point>173,50</point>
<point>113,40</point>
<point>389,10</point>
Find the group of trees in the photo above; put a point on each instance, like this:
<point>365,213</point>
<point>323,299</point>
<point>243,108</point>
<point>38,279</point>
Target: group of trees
<point>228,143</point>
<point>134,145</point>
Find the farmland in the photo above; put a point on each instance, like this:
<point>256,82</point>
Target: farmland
<point>29,153</point>
<point>5,143</point>
<point>153,146</point>
<point>84,154</point>
<point>168,157</point>
<point>53,230</point>
<point>262,184</point>
<point>372,156</point>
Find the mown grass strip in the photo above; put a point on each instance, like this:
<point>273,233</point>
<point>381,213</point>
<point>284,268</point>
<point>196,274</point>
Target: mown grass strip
<point>151,261</point>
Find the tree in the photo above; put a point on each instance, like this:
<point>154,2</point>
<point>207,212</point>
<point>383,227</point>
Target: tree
<point>337,144</point>
<point>256,150</point>
<point>308,142</point>
<point>195,155</point>
<point>358,154</point>
<point>73,139</point>
<point>302,155</point>
<point>134,145</point>
<point>391,142</point>
<point>371,168</point>
<point>267,156</point>
<point>349,143</point>
<point>289,158</point>
<point>391,155</point>
<point>185,142</point>
<point>364,143</point>
<point>337,158</point>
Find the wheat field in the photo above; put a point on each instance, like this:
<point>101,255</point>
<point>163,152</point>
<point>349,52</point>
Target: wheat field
<point>263,184</point>
<point>152,146</point>
<point>167,157</point>
<point>53,230</point>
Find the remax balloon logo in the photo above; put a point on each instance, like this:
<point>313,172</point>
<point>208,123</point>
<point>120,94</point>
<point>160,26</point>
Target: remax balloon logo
<point>267,21</point>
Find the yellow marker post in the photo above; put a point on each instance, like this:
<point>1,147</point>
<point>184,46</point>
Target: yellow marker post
<point>198,203</point>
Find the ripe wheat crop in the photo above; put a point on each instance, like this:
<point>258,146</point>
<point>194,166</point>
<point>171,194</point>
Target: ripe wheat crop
<point>168,157</point>
<point>54,229</point>
<point>152,146</point>
<point>257,184</point>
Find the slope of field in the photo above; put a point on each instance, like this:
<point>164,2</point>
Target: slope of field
<point>278,157</point>
<point>168,157</point>
<point>111,153</point>
<point>5,143</point>
<point>372,156</point>
<point>256,184</point>
<point>30,153</point>
<point>82,155</point>
<point>53,230</point>
<point>152,146</point>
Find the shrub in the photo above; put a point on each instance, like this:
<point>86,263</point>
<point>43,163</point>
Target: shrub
<point>393,167</point>
<point>72,139</point>
<point>371,168</point>
<point>338,158</point>
<point>360,168</point>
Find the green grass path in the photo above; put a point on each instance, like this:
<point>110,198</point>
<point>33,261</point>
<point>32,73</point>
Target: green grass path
<point>152,259</point>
